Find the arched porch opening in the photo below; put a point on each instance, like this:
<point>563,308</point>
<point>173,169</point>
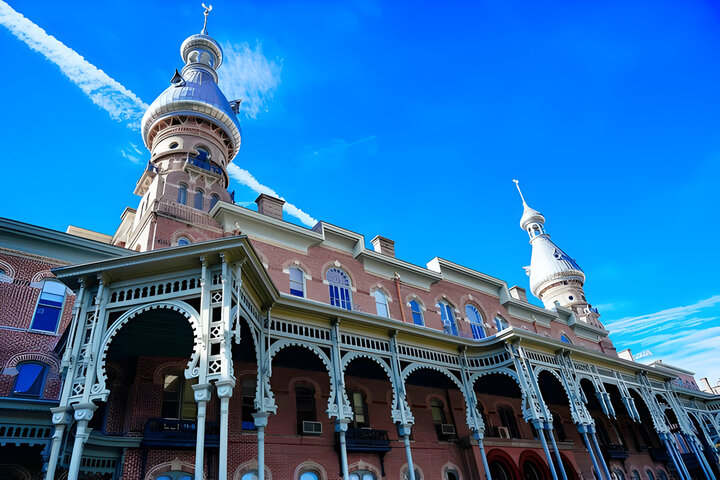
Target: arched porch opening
<point>502,466</point>
<point>501,400</point>
<point>646,426</point>
<point>145,363</point>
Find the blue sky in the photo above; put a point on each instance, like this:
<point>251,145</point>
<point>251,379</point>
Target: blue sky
<point>410,121</point>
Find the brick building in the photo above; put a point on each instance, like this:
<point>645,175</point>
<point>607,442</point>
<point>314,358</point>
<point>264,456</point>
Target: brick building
<point>208,340</point>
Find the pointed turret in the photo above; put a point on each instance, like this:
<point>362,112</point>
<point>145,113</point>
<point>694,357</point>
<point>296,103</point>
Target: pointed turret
<point>555,278</point>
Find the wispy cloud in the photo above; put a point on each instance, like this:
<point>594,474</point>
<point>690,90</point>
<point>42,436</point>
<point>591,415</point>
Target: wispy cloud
<point>133,153</point>
<point>339,149</point>
<point>111,96</point>
<point>245,178</point>
<point>248,75</point>
<point>687,336</point>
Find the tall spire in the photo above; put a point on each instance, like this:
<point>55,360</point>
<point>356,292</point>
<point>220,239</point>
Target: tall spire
<point>206,13</point>
<point>531,221</point>
<point>517,184</point>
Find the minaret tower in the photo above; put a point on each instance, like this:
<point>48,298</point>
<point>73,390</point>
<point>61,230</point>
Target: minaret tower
<point>193,133</point>
<point>555,278</point>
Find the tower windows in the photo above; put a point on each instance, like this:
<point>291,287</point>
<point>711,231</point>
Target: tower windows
<point>476,321</point>
<point>49,307</point>
<point>182,194</point>
<point>448,319</point>
<point>297,282</point>
<point>416,311</point>
<point>339,286</point>
<point>214,198</point>
<point>199,198</point>
<point>30,379</point>
<point>203,153</point>
<point>381,303</point>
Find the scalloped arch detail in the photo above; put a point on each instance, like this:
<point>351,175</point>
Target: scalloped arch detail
<point>413,367</point>
<point>501,371</point>
<point>349,357</point>
<point>193,317</point>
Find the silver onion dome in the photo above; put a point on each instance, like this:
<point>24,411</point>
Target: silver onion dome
<point>195,92</point>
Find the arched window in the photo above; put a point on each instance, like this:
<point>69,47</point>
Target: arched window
<point>662,475</point>
<point>199,198</point>
<point>448,318</point>
<point>297,281</point>
<point>203,152</point>
<point>49,306</point>
<point>362,475</point>
<point>214,198</point>
<point>251,475</point>
<point>178,397</point>
<point>309,476</point>
<point>175,476</point>
<point>406,474</point>
<point>416,311</point>
<point>305,408</point>
<point>635,475</point>
<point>381,303</point>
<point>650,474</point>
<point>507,419</point>
<point>564,338</point>
<point>499,471</point>
<point>182,194</point>
<point>501,324</point>
<point>476,321</point>
<point>451,474</point>
<point>339,285</point>
<point>619,474</point>
<point>30,380</point>
<point>183,241</point>
<point>359,408</point>
<point>530,471</point>
<point>438,412</point>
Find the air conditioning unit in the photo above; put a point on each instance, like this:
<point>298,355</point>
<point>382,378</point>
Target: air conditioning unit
<point>447,429</point>
<point>504,432</point>
<point>311,428</point>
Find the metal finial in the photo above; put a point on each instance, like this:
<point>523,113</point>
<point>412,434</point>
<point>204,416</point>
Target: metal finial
<point>517,184</point>
<point>206,13</point>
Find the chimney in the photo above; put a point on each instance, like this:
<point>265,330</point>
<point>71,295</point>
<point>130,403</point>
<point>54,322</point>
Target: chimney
<point>383,245</point>
<point>270,206</point>
<point>518,293</point>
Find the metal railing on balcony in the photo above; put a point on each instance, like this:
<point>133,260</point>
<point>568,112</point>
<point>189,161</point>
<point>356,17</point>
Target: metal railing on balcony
<point>367,440</point>
<point>161,432</point>
<point>204,165</point>
<point>614,451</point>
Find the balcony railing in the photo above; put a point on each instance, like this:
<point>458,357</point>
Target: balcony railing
<point>167,432</point>
<point>659,454</point>
<point>367,440</point>
<point>615,451</point>
<point>204,165</point>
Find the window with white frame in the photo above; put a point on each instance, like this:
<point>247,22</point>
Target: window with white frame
<point>448,318</point>
<point>297,281</point>
<point>183,241</point>
<point>476,321</point>
<point>182,194</point>
<point>339,286</point>
<point>49,306</point>
<point>501,324</point>
<point>381,303</point>
<point>416,311</point>
<point>362,475</point>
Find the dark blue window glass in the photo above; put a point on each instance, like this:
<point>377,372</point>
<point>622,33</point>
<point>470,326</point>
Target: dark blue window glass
<point>565,339</point>
<point>213,200</point>
<point>49,307</point>
<point>30,379</point>
<point>476,322</point>
<point>448,319</point>
<point>182,194</point>
<point>416,312</point>
<point>339,286</point>
<point>297,282</point>
<point>199,199</point>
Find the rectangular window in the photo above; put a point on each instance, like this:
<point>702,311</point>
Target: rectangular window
<point>359,408</point>
<point>49,307</point>
<point>30,380</point>
<point>297,282</point>
<point>248,404</point>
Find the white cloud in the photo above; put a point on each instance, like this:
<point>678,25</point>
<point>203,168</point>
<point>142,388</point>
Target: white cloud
<point>687,336</point>
<point>118,101</point>
<point>246,178</point>
<point>246,74</point>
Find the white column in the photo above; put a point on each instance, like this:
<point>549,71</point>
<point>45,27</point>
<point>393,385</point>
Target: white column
<point>224,392</point>
<point>61,417</point>
<point>261,419</point>
<point>202,396</point>
<point>404,431</point>
<point>341,426</point>
<point>83,414</point>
